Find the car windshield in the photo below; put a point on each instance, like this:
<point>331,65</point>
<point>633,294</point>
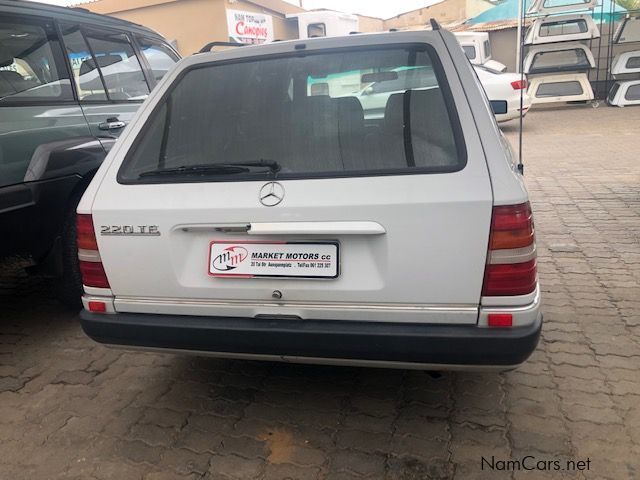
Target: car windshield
<point>320,114</point>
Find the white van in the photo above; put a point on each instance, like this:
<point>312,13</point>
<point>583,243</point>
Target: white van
<point>244,214</point>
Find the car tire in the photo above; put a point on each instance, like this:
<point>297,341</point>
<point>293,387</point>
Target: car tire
<point>68,288</point>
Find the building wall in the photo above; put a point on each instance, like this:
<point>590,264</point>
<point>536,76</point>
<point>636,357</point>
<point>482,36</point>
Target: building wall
<point>370,24</point>
<point>192,23</point>
<point>503,47</point>
<point>444,12</point>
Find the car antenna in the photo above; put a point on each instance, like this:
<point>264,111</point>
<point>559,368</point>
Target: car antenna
<point>434,24</point>
<point>521,20</point>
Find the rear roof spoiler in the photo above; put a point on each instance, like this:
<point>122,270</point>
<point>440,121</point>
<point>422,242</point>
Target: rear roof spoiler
<point>210,45</point>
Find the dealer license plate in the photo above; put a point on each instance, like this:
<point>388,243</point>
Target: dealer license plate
<point>273,259</point>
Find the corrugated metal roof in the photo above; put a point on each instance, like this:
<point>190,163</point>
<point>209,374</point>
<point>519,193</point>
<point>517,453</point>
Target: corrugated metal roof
<point>508,10</point>
<point>487,26</point>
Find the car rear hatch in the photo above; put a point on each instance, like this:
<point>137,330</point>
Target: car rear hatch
<point>289,202</point>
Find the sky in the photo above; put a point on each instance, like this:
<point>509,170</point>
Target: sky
<point>374,8</point>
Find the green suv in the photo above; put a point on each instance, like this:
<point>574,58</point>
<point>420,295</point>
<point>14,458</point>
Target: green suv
<point>70,81</point>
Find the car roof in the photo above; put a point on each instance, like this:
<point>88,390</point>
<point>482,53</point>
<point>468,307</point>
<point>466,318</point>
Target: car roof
<point>80,15</point>
<point>301,46</point>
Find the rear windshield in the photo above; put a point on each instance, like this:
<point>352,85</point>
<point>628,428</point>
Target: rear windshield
<point>563,27</point>
<point>343,113</point>
<point>560,60</point>
<point>559,89</point>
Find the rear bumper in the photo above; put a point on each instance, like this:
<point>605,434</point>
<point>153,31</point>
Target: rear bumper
<point>347,341</point>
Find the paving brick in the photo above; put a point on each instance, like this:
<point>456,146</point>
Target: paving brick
<point>230,466</point>
<point>184,462</point>
<point>137,452</point>
<point>74,377</point>
<point>286,471</point>
<point>351,461</point>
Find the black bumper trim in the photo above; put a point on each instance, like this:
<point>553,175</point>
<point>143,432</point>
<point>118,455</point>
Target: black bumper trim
<point>331,339</point>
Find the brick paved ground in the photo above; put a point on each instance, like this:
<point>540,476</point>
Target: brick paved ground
<point>70,408</point>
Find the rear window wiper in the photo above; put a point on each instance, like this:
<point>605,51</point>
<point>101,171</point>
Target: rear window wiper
<point>213,169</point>
<point>270,164</point>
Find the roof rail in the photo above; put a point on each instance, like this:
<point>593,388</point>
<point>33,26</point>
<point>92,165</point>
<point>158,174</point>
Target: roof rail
<point>354,33</point>
<point>210,45</point>
<point>434,24</point>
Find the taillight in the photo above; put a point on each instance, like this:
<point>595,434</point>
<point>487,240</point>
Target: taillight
<point>93,274</point>
<point>519,84</point>
<point>85,234</point>
<point>511,264</point>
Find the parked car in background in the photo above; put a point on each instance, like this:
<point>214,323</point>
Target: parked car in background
<point>70,81</point>
<point>290,226</point>
<point>503,91</point>
<point>375,95</point>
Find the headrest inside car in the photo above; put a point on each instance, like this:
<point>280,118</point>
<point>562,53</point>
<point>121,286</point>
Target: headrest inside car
<point>103,61</point>
<point>6,57</point>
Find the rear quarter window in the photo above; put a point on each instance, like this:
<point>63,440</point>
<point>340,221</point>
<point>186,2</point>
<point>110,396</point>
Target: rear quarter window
<point>333,114</point>
<point>469,51</point>
<point>559,89</point>
<point>633,62</point>
<point>28,68</point>
<point>633,93</point>
<point>613,92</point>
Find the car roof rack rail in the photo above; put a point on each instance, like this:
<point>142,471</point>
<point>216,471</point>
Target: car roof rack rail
<point>210,45</point>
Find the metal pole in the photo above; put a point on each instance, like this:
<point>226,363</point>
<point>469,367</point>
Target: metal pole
<point>520,67</point>
<point>519,34</point>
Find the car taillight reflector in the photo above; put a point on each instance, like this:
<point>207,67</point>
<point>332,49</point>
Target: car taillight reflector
<point>500,320</point>
<point>85,234</point>
<point>93,274</point>
<point>511,264</point>
<point>519,84</point>
<point>97,307</point>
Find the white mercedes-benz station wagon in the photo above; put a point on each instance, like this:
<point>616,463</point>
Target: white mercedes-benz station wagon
<point>254,209</point>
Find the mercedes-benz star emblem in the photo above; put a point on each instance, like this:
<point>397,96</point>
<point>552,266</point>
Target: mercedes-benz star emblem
<point>271,194</point>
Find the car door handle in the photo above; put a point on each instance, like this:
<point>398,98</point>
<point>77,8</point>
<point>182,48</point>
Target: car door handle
<point>111,124</point>
<point>316,228</point>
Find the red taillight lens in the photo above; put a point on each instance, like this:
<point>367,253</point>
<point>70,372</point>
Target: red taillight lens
<point>85,234</point>
<point>93,274</point>
<point>519,84</point>
<point>511,226</point>
<point>511,268</point>
<point>510,279</point>
<point>91,268</point>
